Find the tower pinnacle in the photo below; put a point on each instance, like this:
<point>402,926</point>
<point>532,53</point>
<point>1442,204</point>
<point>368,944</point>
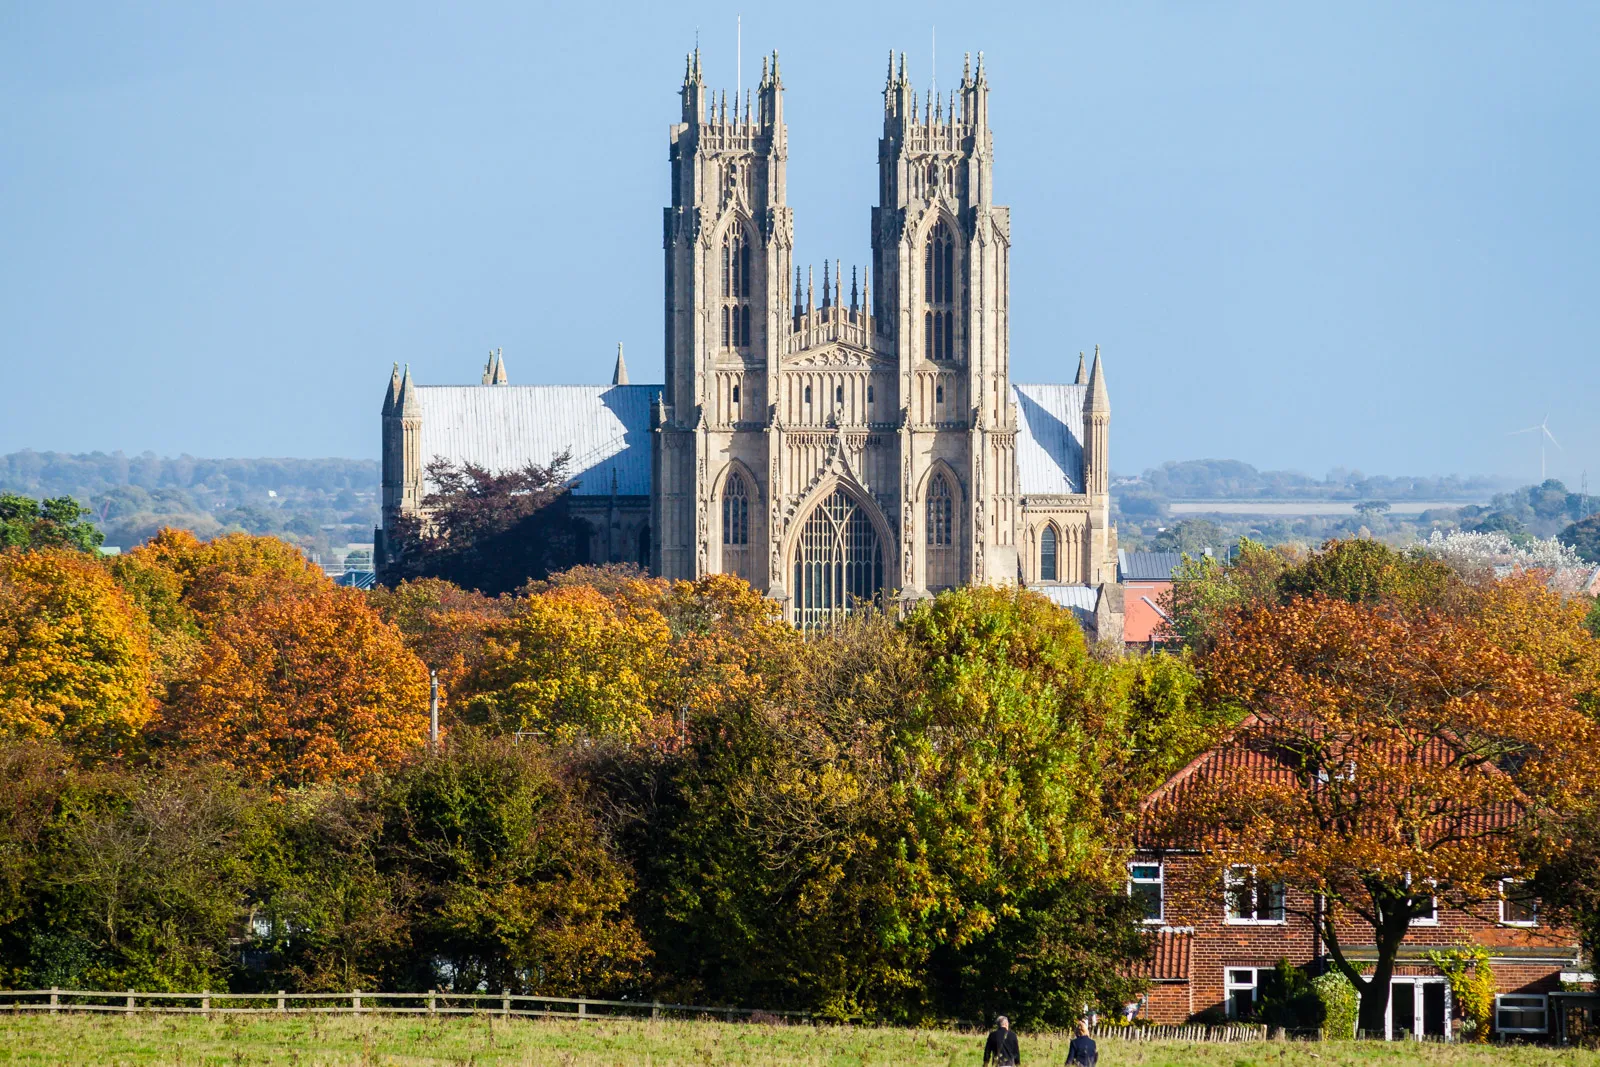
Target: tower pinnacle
<point>619,375</point>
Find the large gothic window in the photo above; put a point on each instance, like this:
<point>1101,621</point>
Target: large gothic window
<point>838,563</point>
<point>736,289</point>
<point>941,534</point>
<point>1047,555</point>
<point>939,294</point>
<point>736,527</point>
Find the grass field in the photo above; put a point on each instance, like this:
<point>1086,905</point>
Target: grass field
<point>301,1041</point>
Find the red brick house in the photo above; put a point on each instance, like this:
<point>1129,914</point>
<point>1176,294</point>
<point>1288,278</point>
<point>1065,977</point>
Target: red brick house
<point>1145,578</point>
<point>1217,935</point>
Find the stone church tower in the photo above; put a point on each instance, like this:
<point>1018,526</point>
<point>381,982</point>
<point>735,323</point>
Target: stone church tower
<point>829,443</point>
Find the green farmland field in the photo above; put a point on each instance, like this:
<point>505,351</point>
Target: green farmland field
<point>303,1041</point>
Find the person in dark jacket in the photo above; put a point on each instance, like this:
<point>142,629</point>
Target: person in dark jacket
<point>1082,1053</point>
<point>1001,1048</point>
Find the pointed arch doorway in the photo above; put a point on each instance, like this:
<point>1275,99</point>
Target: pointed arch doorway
<point>838,562</point>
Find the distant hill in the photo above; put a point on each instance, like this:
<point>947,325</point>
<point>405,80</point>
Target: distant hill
<point>318,504</point>
<point>1231,479</point>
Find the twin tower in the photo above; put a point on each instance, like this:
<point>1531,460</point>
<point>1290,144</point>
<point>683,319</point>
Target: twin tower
<point>832,439</point>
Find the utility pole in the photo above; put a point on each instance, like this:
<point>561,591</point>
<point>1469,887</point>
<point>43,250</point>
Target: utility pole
<point>433,711</point>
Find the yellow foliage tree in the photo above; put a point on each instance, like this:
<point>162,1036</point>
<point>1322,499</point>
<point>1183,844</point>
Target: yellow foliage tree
<point>74,653</point>
<point>572,661</point>
<point>301,689</point>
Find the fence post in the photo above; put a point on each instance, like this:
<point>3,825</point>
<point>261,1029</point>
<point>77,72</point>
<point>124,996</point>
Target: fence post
<point>583,1006</point>
<point>655,1009</point>
<point>205,1001</point>
<point>356,1001</point>
<point>505,1003</point>
<point>55,998</point>
<point>130,1002</point>
<point>431,1008</point>
<point>283,1003</point>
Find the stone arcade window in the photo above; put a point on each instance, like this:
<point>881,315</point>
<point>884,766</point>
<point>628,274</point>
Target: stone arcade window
<point>838,563</point>
<point>1047,555</point>
<point>941,534</point>
<point>939,294</point>
<point>736,527</point>
<point>736,290</point>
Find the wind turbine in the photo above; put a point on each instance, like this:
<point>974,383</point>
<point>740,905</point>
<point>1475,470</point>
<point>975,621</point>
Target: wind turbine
<point>1543,430</point>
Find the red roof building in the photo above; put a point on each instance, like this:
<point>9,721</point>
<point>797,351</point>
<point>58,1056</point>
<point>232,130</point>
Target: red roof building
<point>1218,933</point>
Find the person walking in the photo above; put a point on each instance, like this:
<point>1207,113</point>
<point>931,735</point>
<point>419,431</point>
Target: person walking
<point>1082,1052</point>
<point>1001,1048</point>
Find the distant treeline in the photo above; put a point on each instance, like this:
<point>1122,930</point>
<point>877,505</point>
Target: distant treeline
<point>314,503</point>
<point>1230,479</point>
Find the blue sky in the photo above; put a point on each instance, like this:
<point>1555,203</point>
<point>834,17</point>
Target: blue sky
<point>1305,235</point>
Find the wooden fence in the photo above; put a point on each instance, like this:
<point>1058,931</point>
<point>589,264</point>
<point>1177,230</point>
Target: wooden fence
<point>1201,1032</point>
<point>360,1002</point>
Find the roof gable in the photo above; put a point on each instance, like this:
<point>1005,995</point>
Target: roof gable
<point>1049,438</point>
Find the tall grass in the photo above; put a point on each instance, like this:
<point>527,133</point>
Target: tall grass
<point>335,1041</point>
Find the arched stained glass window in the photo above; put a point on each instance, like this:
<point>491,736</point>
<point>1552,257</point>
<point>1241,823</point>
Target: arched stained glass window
<point>942,560</point>
<point>1047,555</point>
<point>838,563</point>
<point>736,557</point>
<point>735,512</point>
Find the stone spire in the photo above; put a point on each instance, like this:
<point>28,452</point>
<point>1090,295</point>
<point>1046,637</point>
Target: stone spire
<point>1083,376</point>
<point>619,376</point>
<point>392,397</point>
<point>494,372</point>
<point>406,402</point>
<point>1097,400</point>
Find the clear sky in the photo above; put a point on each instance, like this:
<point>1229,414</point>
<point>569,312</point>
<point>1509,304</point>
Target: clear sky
<point>1305,235</point>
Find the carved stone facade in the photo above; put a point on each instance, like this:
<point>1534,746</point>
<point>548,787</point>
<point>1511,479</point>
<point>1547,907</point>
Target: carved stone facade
<point>843,443</point>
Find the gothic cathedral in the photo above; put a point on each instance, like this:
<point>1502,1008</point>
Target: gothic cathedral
<point>850,443</point>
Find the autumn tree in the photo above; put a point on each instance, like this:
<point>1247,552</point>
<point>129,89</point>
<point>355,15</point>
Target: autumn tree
<point>573,661</point>
<point>301,689</point>
<point>1401,757</point>
<point>74,653</point>
<point>218,579</point>
<point>909,824</point>
<point>444,624</point>
<point>492,531</point>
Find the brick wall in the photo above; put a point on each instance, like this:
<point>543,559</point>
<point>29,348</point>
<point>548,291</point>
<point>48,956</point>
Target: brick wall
<point>1193,899</point>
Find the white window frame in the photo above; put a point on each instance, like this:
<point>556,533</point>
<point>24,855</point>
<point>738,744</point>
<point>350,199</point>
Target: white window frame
<point>1229,987</point>
<point>1160,882</point>
<point>1518,923</point>
<point>1431,919</point>
<point>1228,883</point>
<point>1417,1005</point>
<point>1544,1006</point>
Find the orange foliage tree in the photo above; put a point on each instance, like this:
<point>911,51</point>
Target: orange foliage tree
<point>301,689</point>
<point>229,574</point>
<point>442,623</point>
<point>1402,758</point>
<point>74,653</point>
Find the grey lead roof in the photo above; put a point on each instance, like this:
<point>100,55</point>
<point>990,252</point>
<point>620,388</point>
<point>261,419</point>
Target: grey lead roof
<point>606,428</point>
<point>1078,599</point>
<point>1049,438</point>
<point>1147,566</point>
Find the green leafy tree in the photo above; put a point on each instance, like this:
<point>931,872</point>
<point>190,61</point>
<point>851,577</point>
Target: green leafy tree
<point>60,522</point>
<point>1584,537</point>
<point>510,885</point>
